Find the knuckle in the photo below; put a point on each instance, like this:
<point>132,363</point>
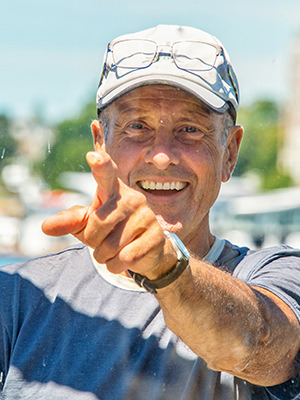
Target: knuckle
<point>135,199</point>
<point>127,258</point>
<point>111,245</point>
<point>157,234</point>
<point>114,266</point>
<point>108,216</point>
<point>98,255</point>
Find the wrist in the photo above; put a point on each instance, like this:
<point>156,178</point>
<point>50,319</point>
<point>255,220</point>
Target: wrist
<point>167,261</point>
<point>155,281</point>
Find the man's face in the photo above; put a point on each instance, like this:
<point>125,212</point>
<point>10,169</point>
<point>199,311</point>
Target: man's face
<point>168,146</point>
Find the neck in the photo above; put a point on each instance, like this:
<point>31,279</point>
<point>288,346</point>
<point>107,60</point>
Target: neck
<point>198,240</point>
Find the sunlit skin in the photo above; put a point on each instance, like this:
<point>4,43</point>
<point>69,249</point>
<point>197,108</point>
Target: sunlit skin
<point>156,134</point>
<point>162,134</point>
<point>159,135</point>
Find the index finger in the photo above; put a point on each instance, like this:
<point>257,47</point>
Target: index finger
<point>105,173</point>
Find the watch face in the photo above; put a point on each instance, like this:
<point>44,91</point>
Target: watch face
<point>182,247</point>
<point>178,243</point>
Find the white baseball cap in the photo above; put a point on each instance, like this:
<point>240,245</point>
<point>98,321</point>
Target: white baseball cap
<point>184,57</point>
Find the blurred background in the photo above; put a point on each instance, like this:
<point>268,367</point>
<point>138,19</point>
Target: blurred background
<point>50,65</point>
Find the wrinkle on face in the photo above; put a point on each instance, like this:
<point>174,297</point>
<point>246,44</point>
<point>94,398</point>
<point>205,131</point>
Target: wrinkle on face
<point>149,139</point>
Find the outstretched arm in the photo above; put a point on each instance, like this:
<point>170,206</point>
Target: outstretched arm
<point>246,331</point>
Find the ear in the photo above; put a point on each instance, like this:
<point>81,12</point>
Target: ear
<point>98,134</point>
<point>233,143</point>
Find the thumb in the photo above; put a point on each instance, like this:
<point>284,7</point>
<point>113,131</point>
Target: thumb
<point>105,173</point>
<point>67,221</point>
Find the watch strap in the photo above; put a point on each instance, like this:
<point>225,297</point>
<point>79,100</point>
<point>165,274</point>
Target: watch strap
<point>170,276</point>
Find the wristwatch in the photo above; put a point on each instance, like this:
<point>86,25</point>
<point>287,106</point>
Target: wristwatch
<point>183,259</point>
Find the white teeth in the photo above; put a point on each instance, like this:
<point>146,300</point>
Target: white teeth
<point>162,186</point>
<point>178,185</point>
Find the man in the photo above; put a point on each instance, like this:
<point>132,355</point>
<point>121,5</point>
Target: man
<point>153,305</point>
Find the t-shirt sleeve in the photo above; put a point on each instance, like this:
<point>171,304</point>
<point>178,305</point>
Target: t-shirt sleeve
<point>277,270</point>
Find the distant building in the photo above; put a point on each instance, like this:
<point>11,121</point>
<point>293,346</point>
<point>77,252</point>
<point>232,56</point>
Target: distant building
<point>33,139</point>
<point>290,155</point>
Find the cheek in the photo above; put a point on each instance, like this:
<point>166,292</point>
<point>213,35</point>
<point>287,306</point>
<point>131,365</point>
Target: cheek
<point>208,159</point>
<point>126,157</point>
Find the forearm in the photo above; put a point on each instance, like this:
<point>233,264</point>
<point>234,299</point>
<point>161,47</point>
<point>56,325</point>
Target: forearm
<point>233,327</point>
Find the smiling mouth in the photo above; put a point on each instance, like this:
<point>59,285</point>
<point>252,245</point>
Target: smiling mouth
<point>174,186</point>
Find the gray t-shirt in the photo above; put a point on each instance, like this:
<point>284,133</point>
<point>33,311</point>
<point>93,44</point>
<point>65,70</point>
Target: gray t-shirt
<point>67,333</point>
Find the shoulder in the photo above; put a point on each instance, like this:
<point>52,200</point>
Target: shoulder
<point>49,261</point>
<point>277,257</point>
<point>46,271</point>
<point>276,269</point>
<point>39,282</point>
<point>241,259</point>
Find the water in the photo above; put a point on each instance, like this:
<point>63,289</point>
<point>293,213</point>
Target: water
<point>10,259</point>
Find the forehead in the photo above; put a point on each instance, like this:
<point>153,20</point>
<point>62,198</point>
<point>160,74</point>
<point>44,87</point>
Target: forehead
<point>160,97</point>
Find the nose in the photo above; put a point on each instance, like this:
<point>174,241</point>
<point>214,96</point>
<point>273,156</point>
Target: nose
<point>162,153</point>
<point>161,160</point>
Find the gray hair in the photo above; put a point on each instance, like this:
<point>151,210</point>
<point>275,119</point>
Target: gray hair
<point>228,123</point>
<point>103,117</point>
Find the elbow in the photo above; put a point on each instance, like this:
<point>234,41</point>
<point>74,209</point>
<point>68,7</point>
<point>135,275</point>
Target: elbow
<point>269,362</point>
<point>241,353</point>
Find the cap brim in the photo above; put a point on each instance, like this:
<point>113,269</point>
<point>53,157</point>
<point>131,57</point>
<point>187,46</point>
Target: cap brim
<point>210,99</point>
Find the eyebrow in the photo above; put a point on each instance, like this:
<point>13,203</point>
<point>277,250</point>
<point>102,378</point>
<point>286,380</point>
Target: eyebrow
<point>205,116</point>
<point>189,115</point>
<point>140,110</point>
<point>201,111</point>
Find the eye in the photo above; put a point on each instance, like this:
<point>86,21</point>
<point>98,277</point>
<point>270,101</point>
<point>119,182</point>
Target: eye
<point>136,125</point>
<point>138,130</point>
<point>190,129</point>
<point>189,133</point>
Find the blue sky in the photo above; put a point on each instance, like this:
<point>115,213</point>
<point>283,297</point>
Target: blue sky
<point>51,52</point>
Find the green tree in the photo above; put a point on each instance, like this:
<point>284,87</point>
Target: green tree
<point>260,145</point>
<point>258,153</point>
<point>73,139</point>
